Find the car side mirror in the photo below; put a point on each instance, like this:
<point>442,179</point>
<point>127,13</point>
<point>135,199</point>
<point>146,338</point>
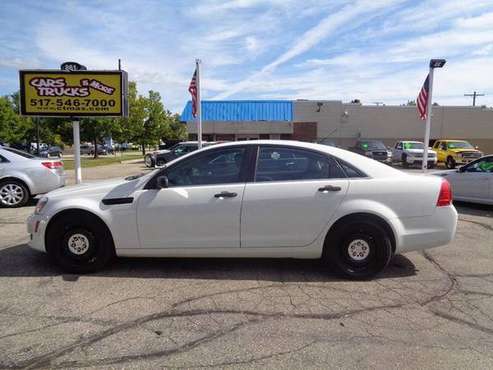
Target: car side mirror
<point>476,147</point>
<point>162,182</point>
<point>461,169</point>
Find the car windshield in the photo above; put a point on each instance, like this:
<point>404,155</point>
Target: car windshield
<point>19,152</point>
<point>413,145</point>
<point>372,145</point>
<point>459,145</point>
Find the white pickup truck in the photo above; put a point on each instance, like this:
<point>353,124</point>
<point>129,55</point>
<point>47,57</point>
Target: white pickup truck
<point>411,153</point>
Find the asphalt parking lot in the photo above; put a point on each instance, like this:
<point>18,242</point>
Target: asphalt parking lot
<point>428,310</point>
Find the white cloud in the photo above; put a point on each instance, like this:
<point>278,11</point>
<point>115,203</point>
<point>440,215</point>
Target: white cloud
<point>312,37</point>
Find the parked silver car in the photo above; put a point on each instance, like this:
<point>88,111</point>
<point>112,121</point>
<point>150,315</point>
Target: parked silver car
<point>23,176</point>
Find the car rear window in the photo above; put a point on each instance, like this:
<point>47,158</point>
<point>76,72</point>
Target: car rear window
<point>19,152</point>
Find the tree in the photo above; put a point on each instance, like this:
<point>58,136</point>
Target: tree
<point>13,127</point>
<point>411,103</point>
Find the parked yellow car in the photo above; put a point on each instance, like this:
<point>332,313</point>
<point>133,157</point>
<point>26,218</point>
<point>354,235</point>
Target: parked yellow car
<point>455,152</point>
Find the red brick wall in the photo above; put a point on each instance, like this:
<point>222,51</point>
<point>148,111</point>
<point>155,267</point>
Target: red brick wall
<point>305,131</point>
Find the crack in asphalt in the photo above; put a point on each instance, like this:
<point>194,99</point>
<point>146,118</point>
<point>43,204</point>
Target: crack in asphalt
<point>46,359</point>
<point>482,224</point>
<point>253,317</point>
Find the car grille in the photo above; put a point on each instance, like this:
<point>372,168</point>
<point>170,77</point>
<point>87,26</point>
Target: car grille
<point>379,155</point>
<point>470,154</point>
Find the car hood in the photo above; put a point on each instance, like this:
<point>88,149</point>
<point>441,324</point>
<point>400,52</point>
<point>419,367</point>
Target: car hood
<point>162,151</point>
<point>459,150</point>
<point>96,189</point>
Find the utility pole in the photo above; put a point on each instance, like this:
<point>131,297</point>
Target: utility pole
<point>474,94</point>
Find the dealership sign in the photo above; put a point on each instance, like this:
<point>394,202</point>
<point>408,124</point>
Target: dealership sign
<point>73,93</point>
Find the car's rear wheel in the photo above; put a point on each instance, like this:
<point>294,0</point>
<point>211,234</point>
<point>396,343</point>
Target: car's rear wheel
<point>13,194</point>
<point>358,249</point>
<point>450,163</point>
<point>79,243</point>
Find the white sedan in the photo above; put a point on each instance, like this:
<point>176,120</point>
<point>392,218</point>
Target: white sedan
<point>472,182</point>
<point>250,199</point>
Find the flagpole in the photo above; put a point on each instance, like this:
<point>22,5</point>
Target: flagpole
<point>199,106</point>
<point>424,162</point>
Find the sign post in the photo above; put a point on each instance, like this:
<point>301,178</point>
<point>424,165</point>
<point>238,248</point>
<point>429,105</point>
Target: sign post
<point>74,92</point>
<point>77,166</point>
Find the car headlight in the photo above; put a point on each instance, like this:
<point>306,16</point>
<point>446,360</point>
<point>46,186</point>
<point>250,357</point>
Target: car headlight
<point>40,205</point>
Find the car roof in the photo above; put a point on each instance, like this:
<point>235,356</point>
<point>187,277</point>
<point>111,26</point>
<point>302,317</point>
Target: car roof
<point>367,165</point>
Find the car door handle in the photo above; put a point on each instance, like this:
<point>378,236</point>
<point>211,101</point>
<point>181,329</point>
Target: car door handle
<point>225,194</point>
<point>327,188</point>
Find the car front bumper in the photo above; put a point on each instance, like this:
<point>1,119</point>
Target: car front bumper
<point>36,227</point>
<point>462,161</point>
<point>416,160</point>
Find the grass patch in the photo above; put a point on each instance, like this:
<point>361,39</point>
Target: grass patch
<point>103,160</point>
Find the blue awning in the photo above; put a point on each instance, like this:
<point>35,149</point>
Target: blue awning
<point>242,110</point>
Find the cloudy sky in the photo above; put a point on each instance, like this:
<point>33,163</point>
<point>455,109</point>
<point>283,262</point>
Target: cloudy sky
<point>372,50</point>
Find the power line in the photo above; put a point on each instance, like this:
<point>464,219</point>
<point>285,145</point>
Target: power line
<point>474,94</point>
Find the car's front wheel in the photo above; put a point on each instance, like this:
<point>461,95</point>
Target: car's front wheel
<point>13,194</point>
<point>450,163</point>
<point>148,161</point>
<point>79,243</point>
<point>404,161</point>
<point>358,249</point>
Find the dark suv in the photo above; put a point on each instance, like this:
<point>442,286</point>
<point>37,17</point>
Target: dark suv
<point>373,149</point>
<point>177,150</point>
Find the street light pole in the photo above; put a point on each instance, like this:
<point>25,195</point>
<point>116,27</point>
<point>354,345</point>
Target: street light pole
<point>424,162</point>
<point>434,63</point>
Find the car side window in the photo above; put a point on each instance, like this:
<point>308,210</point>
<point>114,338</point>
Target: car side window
<point>443,146</point>
<point>484,165</point>
<point>216,167</point>
<point>3,159</point>
<point>285,164</point>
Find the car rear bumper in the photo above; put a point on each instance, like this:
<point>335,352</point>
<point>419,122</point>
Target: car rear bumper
<point>50,180</point>
<point>417,233</point>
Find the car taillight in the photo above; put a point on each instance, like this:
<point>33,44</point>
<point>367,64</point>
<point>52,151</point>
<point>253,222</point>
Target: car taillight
<point>52,165</point>
<point>445,196</point>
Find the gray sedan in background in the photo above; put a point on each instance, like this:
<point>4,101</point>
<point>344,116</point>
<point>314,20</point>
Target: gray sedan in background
<point>472,182</point>
<point>23,176</point>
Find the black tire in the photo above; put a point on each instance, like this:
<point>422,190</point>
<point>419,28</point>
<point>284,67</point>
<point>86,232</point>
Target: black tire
<point>450,163</point>
<point>360,233</point>
<point>404,161</point>
<point>431,165</point>
<point>13,194</point>
<point>148,161</point>
<point>79,243</point>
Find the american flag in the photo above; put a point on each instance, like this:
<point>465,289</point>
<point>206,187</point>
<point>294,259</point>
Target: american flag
<point>422,100</point>
<point>193,91</point>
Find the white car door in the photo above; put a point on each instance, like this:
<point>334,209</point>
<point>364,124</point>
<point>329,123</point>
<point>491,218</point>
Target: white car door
<point>294,195</point>
<point>473,181</point>
<point>202,205</point>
